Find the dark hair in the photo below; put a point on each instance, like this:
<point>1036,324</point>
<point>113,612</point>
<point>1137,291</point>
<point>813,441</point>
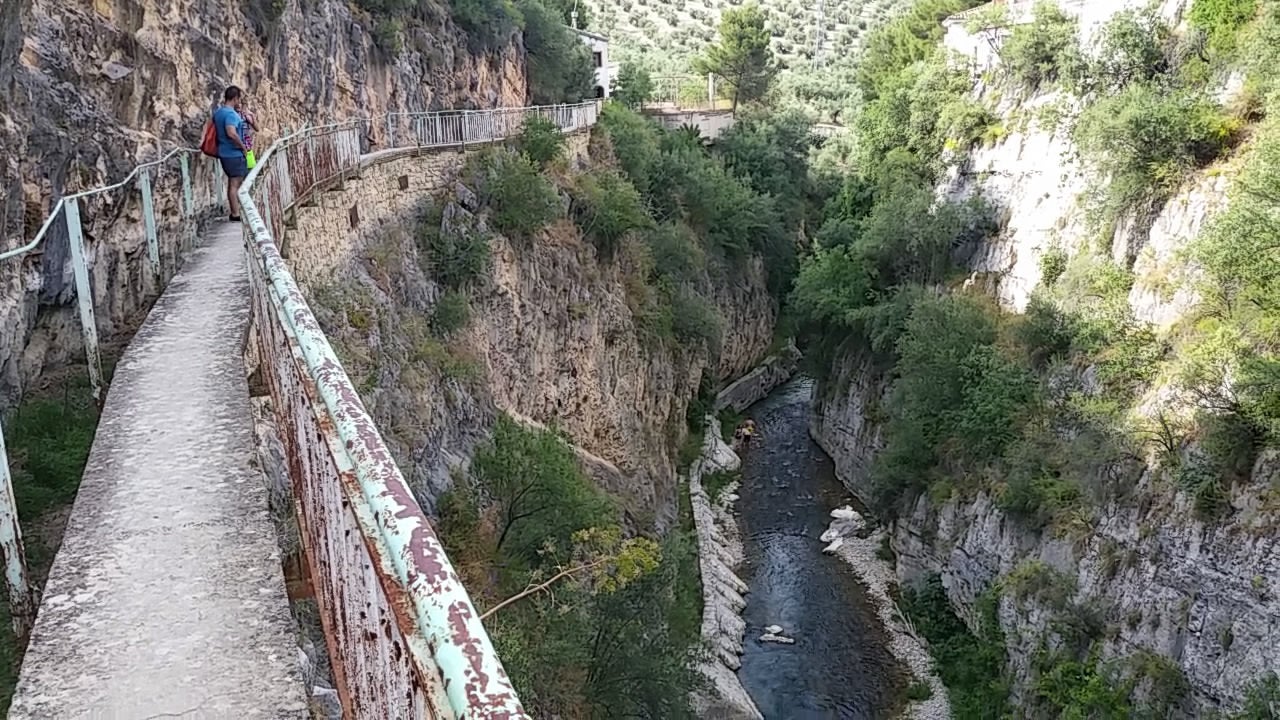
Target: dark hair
<point>232,93</point>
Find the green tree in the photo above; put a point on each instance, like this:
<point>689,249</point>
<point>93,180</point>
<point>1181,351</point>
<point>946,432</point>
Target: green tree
<point>633,86</point>
<point>540,490</point>
<point>1132,47</point>
<point>771,154</point>
<point>489,23</point>
<point>641,648</point>
<point>560,68</point>
<point>565,8</point>
<point>742,58</point>
<point>910,38</point>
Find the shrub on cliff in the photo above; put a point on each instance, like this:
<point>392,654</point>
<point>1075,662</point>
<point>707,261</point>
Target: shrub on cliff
<point>959,400</point>
<point>1135,46</point>
<point>489,23</point>
<point>676,254</point>
<point>606,207</point>
<point>1044,50</point>
<point>971,665</point>
<point>1145,140</point>
<point>924,110</point>
<point>456,257</point>
<point>522,201</point>
<point>695,320</point>
<point>635,141</point>
<point>540,140</point>
<point>451,313</point>
<point>1222,20</point>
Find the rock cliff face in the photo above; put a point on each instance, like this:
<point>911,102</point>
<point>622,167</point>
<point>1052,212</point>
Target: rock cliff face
<point>1159,582</point>
<point>88,90</point>
<point>551,340</point>
<point>1204,596</point>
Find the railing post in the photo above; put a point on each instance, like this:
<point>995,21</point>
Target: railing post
<point>188,198</point>
<point>311,151</point>
<point>84,297</point>
<point>149,224</point>
<point>391,142</point>
<point>188,204</point>
<point>21,604</point>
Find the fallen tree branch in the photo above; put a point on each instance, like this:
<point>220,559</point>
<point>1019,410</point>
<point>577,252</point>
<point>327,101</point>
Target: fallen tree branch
<point>540,587</point>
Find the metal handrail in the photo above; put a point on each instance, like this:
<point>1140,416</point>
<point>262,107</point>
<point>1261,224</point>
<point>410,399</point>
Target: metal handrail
<point>21,601</point>
<point>450,651</point>
<point>53,214</point>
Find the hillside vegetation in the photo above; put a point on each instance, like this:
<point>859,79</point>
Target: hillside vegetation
<point>1051,412</point>
<point>677,30</point>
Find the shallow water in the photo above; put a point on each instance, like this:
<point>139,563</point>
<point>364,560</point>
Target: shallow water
<point>840,665</point>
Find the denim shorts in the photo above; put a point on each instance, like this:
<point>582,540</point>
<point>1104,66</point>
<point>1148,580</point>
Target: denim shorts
<point>236,167</point>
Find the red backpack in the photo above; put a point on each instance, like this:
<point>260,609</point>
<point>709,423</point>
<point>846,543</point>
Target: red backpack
<point>209,143</point>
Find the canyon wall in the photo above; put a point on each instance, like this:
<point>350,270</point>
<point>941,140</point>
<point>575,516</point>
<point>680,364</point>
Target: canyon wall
<point>1203,597</point>
<point>551,338</point>
<point>89,90</point>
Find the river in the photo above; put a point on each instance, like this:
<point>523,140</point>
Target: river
<point>840,666</point>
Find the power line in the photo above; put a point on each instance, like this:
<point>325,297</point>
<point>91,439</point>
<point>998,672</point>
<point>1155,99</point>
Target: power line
<point>819,32</point>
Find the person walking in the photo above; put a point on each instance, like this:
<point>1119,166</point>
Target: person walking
<point>230,128</point>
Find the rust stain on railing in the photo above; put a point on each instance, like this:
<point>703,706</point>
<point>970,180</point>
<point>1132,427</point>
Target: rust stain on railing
<point>405,639</point>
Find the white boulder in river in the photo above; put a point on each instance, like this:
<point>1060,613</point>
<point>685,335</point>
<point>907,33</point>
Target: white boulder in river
<point>847,522</point>
<point>773,634</point>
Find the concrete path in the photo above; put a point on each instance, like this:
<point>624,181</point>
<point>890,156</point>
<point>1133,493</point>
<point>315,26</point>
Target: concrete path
<point>166,598</point>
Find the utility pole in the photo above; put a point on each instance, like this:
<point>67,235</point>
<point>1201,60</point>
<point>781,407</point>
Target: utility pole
<point>819,32</point>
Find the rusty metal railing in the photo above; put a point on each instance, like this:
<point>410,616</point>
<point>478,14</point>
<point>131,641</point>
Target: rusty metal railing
<point>404,637</point>
<point>171,193</point>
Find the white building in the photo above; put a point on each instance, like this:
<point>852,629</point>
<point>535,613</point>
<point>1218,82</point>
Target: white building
<point>606,72</point>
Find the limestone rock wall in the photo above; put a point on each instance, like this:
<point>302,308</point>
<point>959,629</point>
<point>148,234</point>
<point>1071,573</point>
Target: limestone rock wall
<point>89,90</point>
<point>1034,175</point>
<point>757,384</point>
<point>720,552</point>
<point>1204,596</point>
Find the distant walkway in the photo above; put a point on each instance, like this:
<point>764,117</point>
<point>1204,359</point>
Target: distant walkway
<point>167,598</point>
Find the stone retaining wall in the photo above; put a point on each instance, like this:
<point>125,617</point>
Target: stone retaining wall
<point>392,185</point>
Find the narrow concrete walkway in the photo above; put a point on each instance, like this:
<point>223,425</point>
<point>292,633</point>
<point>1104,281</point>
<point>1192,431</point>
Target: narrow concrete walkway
<point>166,598</point>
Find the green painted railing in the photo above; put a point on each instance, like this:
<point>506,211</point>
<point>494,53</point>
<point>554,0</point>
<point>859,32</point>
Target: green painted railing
<point>404,637</point>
